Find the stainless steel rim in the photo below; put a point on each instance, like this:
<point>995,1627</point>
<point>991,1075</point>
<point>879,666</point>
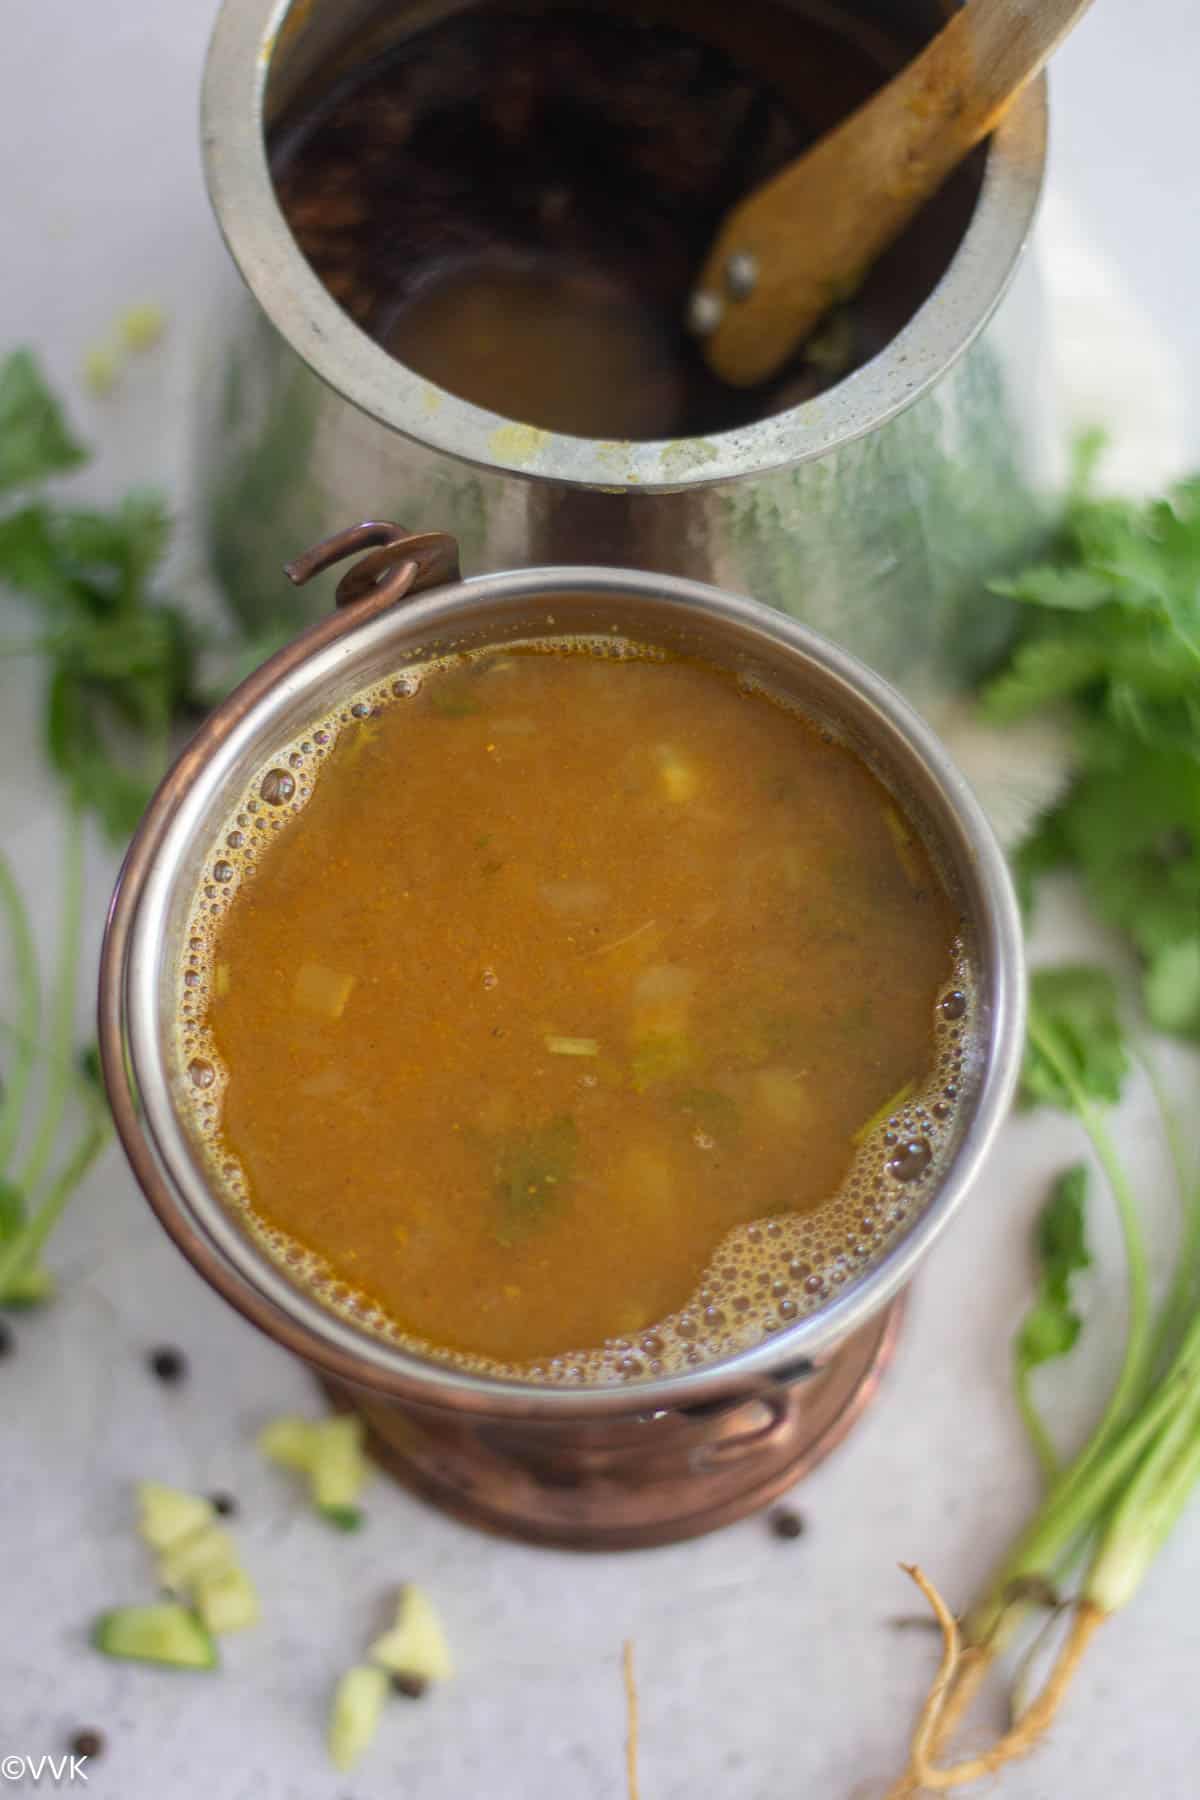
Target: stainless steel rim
<point>136,947</point>
<point>239,184</point>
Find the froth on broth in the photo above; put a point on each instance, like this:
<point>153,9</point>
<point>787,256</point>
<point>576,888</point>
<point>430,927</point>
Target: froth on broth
<point>572,1010</point>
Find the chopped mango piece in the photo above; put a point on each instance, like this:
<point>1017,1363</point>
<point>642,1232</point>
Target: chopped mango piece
<point>227,1601</point>
<point>572,1046</point>
<point>339,1469</point>
<point>193,1559</point>
<point>290,1442</point>
<point>354,1716</point>
<point>323,991</point>
<point>416,1644</point>
<point>783,1097</point>
<point>221,980</point>
<point>166,1516</point>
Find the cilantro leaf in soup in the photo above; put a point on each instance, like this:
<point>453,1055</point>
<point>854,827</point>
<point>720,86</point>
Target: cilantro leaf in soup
<point>34,439</point>
<point>531,1172</point>
<point>1075,1010</point>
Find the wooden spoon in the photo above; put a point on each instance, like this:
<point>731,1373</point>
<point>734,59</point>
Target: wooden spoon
<point>806,238</point>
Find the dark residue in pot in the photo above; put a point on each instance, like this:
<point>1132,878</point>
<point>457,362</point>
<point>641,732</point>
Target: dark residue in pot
<point>515,202</point>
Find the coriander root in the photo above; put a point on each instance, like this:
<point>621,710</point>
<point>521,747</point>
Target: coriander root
<point>631,1715</point>
<point>955,1684</point>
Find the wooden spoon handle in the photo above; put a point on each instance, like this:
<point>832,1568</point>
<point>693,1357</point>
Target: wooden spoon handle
<point>806,238</point>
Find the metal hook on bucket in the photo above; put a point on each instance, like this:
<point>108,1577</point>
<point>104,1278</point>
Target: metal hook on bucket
<point>401,561</point>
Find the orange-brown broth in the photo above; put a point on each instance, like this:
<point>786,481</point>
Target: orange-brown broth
<point>635,853</point>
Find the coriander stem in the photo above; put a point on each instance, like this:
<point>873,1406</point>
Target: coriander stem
<point>1089,1482</point>
<point>62,1018</point>
<point>1078,1498</point>
<point>1039,1437</point>
<point>22,1251</point>
<point>29,1005</point>
<point>1177,1307</point>
<point>1148,1508</point>
<point>1135,1367</point>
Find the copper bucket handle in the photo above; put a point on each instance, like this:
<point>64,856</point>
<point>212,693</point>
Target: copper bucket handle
<point>401,562</point>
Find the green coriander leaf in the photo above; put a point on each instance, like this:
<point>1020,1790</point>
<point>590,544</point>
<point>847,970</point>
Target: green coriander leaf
<point>1086,455</point>
<point>1076,1008</point>
<point>1066,589</point>
<point>1172,987</point>
<point>29,560</point>
<point>1043,850</point>
<point>1051,1326</point>
<point>1132,829</point>
<point>34,439</point>
<point>1042,670</point>
<point>113,553</point>
<point>530,1173</point>
<point>77,751</point>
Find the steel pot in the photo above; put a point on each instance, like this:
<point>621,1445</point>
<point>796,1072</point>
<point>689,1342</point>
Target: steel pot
<point>874,512</point>
<point>609,1464</point>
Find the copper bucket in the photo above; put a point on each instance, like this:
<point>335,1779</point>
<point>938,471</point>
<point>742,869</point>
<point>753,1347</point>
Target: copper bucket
<point>642,1461</point>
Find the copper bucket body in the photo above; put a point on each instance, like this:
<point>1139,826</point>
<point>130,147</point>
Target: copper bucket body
<point>593,1466</point>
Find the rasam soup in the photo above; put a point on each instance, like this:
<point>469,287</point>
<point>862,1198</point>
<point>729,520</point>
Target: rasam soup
<point>575,1011</point>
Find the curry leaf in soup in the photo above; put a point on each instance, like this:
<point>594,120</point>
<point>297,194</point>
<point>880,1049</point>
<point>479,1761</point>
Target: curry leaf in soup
<point>531,1170</point>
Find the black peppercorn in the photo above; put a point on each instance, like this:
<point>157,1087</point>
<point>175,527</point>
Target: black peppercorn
<point>167,1364</point>
<point>787,1524</point>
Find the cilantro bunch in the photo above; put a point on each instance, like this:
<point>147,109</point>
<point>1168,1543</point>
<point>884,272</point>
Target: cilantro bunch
<point>1111,628</point>
<point>118,664</point>
<point>1111,632</point>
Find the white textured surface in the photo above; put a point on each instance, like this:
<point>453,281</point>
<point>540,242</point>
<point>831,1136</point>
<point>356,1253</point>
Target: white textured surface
<point>766,1670</point>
